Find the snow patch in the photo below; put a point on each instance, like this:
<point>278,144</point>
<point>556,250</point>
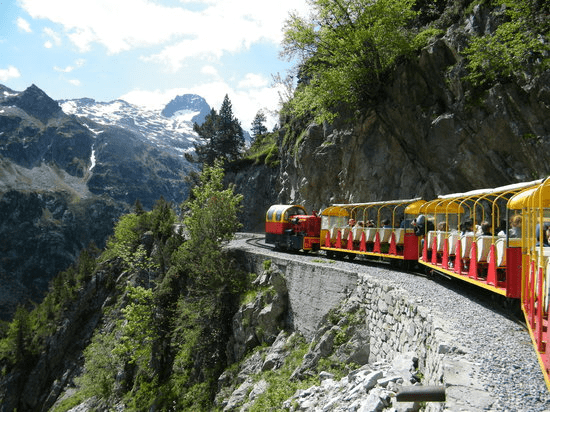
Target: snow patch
<point>92,158</point>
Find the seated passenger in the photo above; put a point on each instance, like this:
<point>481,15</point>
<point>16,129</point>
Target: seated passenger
<point>501,229</point>
<point>421,225</point>
<point>515,229</point>
<point>406,224</point>
<point>370,223</point>
<point>351,222</point>
<point>385,223</point>
<point>441,226</point>
<point>486,228</point>
<point>545,231</point>
<point>467,228</point>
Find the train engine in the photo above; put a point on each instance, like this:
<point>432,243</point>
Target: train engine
<point>289,227</point>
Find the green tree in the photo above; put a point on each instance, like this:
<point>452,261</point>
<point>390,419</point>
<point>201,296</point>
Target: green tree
<point>344,49</point>
<point>519,45</point>
<point>258,125</point>
<point>223,133</point>
<point>230,132</point>
<point>206,153</point>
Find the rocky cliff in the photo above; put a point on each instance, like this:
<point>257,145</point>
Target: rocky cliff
<point>431,132</point>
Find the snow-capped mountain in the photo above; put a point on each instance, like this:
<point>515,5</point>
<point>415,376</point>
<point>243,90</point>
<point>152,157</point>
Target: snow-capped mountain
<point>188,107</point>
<point>173,133</point>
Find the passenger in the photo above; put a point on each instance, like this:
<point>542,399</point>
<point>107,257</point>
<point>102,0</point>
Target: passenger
<point>501,229</point>
<point>360,224</point>
<point>486,228</point>
<point>406,224</point>
<point>351,222</point>
<point>545,231</point>
<point>421,225</point>
<point>515,229</point>
<point>370,223</point>
<point>385,223</point>
<point>441,226</point>
<point>467,228</point>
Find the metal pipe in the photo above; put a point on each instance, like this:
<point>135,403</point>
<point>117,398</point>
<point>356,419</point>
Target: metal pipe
<point>422,393</point>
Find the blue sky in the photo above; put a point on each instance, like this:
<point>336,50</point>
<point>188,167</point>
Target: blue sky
<point>147,52</point>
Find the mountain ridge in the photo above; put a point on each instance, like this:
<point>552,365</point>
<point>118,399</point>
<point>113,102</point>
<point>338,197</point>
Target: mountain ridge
<point>62,158</point>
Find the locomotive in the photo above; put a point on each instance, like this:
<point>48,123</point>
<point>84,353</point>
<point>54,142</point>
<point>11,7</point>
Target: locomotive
<point>497,239</point>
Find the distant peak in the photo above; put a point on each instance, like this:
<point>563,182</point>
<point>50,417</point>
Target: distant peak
<point>188,103</point>
<point>37,103</point>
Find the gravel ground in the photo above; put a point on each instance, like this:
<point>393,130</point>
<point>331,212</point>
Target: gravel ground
<point>493,338</point>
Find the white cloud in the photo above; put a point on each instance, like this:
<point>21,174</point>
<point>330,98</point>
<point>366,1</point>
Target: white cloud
<point>209,70</point>
<point>253,81</point>
<point>187,31</point>
<point>23,25</point>
<point>67,69</point>
<point>9,73</point>
<point>53,36</point>
<point>74,82</point>
<point>77,64</point>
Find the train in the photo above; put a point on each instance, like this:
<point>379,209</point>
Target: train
<point>495,238</point>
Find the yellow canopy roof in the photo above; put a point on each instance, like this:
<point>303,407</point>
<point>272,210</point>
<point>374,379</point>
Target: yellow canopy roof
<point>336,211</point>
<point>530,197</point>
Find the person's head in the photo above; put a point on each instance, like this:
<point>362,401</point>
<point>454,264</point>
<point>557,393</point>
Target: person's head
<point>516,221</point>
<point>486,227</point>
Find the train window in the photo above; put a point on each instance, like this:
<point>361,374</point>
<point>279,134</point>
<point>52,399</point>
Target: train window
<point>279,212</point>
<point>270,214</point>
<point>294,211</point>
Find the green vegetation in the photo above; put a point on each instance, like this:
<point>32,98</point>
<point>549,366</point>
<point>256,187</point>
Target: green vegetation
<point>519,45</point>
<point>161,344</point>
<point>223,134</point>
<point>347,49</point>
<point>264,150</point>
<point>344,52</point>
<point>280,387</point>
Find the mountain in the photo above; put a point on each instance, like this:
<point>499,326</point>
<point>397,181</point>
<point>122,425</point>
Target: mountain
<point>188,107</point>
<point>174,135</point>
<point>68,170</point>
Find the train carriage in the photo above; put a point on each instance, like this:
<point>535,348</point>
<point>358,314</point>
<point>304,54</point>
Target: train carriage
<point>375,229</point>
<point>534,207</point>
<point>472,240</point>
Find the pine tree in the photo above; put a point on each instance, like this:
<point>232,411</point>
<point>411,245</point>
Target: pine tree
<point>206,153</point>
<point>258,127</point>
<point>231,138</point>
<point>223,133</point>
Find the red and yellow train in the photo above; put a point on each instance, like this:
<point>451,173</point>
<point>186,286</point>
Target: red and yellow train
<point>497,239</point>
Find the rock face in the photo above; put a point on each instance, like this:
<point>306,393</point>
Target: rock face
<point>431,133</point>
<point>65,180</point>
<point>258,184</point>
<point>42,234</point>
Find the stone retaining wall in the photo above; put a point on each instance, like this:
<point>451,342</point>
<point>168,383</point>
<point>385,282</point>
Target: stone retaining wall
<point>397,323</point>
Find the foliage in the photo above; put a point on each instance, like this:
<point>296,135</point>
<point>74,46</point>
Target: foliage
<point>344,50</point>
<point>280,387</point>
<point>25,336</point>
<point>258,126</point>
<point>223,133</point>
<point>167,348</point>
<point>519,45</point>
<point>264,149</point>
